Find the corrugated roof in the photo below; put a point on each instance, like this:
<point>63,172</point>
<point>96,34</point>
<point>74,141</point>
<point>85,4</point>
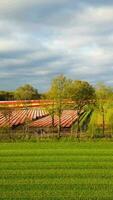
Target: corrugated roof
<point>67,119</point>
<point>40,118</point>
<point>18,117</point>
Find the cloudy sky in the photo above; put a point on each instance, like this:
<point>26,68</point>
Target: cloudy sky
<point>40,39</point>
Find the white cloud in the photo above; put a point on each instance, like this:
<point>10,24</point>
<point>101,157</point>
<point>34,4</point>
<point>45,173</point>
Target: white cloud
<point>44,38</point>
<point>96,15</point>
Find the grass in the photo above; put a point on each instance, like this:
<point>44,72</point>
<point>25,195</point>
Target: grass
<point>56,170</point>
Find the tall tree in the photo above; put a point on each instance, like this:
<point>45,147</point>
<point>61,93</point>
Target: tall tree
<point>104,96</point>
<point>83,94</point>
<point>58,92</point>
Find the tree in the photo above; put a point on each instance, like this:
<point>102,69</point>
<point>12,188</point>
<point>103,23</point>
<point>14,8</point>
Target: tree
<point>26,92</point>
<point>83,94</point>
<point>58,92</point>
<point>104,96</point>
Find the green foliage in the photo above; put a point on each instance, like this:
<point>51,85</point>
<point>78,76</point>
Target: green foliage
<point>6,95</point>
<point>109,121</point>
<point>101,121</point>
<point>104,92</point>
<point>104,97</point>
<point>94,124</point>
<point>58,92</point>
<point>26,92</point>
<point>84,120</point>
<point>82,91</point>
<point>83,94</point>
<point>59,88</point>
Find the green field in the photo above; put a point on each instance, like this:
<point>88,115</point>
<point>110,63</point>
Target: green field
<point>56,170</point>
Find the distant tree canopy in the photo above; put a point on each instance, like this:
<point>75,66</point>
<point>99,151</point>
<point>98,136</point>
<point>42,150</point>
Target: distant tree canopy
<point>61,88</point>
<point>77,90</point>
<point>81,91</point>
<point>26,92</point>
<point>104,93</point>
<point>6,95</point>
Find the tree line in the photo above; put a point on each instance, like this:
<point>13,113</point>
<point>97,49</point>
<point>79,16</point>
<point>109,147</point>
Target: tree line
<point>24,92</point>
<point>94,105</point>
<point>60,85</point>
<point>95,102</point>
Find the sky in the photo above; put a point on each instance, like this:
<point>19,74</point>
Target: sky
<point>41,39</point>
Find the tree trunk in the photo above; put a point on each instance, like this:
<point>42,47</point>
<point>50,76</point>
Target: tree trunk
<point>52,120</point>
<point>53,124</point>
<point>103,122</point>
<point>78,124</point>
<point>59,126</point>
